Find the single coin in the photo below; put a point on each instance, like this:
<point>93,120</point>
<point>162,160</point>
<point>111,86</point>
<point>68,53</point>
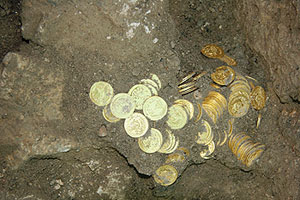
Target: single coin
<point>155,108</point>
<point>151,143</point>
<point>108,115</point>
<point>223,75</point>
<point>101,93</point>
<point>238,105</point>
<point>139,93</point>
<point>136,125</point>
<point>165,175</point>
<point>258,98</point>
<point>122,105</point>
<point>177,117</point>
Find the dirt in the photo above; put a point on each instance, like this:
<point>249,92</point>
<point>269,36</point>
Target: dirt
<point>55,143</point>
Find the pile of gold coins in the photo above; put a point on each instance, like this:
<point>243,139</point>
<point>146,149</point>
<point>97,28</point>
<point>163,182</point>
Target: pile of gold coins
<point>242,94</point>
<point>144,96</point>
<point>244,148</point>
<point>143,103</point>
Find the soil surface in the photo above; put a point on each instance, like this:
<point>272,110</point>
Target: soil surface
<point>55,143</point>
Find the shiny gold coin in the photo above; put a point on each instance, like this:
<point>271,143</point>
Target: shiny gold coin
<point>199,112</point>
<point>108,115</point>
<point>139,93</point>
<point>207,152</point>
<point>165,175</point>
<point>258,98</point>
<point>214,51</point>
<point>152,142</point>
<point>136,125</point>
<point>155,78</point>
<point>122,105</point>
<point>187,105</point>
<point>170,144</point>
<point>155,108</point>
<point>238,105</point>
<point>150,82</point>
<point>177,117</point>
<point>101,93</point>
<point>223,75</point>
<point>206,136</point>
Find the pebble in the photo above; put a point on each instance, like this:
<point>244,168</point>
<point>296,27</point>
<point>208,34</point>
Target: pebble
<point>102,131</point>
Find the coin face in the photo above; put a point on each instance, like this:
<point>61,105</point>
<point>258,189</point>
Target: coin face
<point>151,143</point>
<point>155,108</point>
<point>223,75</point>
<point>258,98</point>
<point>177,117</point>
<point>139,93</point>
<point>136,125</point>
<point>101,93</point>
<point>165,175</point>
<point>122,105</point>
<point>238,105</point>
<point>212,51</point>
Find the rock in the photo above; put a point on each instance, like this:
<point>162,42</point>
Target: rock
<point>273,31</point>
<point>132,26</point>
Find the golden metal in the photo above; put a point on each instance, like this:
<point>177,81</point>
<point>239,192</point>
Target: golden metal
<point>258,98</point>
<point>223,75</point>
<point>214,51</point>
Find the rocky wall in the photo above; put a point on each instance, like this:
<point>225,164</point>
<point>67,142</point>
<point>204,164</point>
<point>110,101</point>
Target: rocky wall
<point>272,30</point>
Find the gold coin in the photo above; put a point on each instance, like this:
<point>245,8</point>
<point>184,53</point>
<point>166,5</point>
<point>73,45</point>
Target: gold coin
<point>170,144</point>
<point>187,105</point>
<point>207,152</point>
<point>238,105</point>
<point>101,93</point>
<point>150,82</point>
<point>136,125</point>
<point>165,175</point>
<point>223,75</point>
<point>155,108</point>
<point>139,93</point>
<point>151,143</point>
<point>205,137</point>
<point>212,51</point>
<point>258,98</point>
<point>177,117</point>
<point>108,115</point>
<point>155,78</point>
<point>122,105</point>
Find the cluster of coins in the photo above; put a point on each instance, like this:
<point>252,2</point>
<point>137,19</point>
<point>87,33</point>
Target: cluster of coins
<point>144,96</point>
<point>242,95</point>
<point>188,83</point>
<point>244,148</point>
<point>205,137</point>
<point>239,99</point>
<point>142,103</point>
<point>214,105</point>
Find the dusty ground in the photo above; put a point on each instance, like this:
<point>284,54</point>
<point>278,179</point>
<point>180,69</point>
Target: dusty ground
<point>50,143</point>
